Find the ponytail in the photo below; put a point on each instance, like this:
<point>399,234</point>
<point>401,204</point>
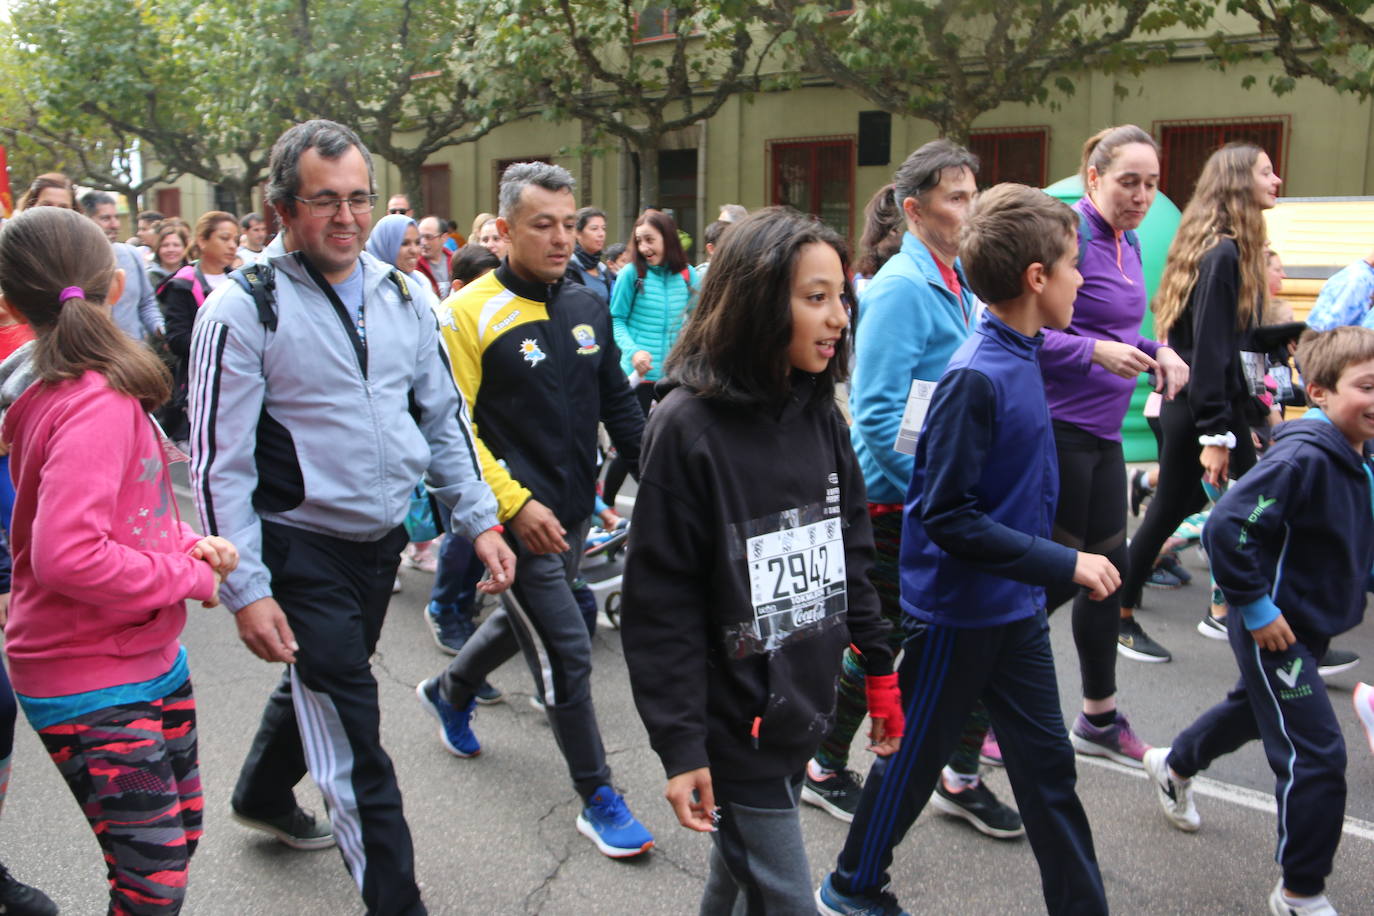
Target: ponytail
<point>56,270</point>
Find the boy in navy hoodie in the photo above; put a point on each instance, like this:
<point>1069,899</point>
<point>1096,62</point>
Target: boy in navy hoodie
<point>1291,546</point>
<point>976,555</point>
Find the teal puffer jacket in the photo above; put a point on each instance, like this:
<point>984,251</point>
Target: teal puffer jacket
<point>648,314</point>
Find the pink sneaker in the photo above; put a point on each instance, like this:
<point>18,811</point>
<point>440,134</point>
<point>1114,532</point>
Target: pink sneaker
<point>1364,708</point>
<point>1117,741</point>
<point>991,753</point>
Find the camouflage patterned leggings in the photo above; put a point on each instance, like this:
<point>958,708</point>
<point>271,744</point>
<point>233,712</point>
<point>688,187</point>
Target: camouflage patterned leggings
<point>134,772</point>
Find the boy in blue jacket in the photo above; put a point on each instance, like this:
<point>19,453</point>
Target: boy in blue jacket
<point>976,555</point>
<point>1291,546</point>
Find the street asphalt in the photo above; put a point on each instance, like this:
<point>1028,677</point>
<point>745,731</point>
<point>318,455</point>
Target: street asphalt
<point>495,834</point>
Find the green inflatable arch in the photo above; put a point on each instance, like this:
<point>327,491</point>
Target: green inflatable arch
<point>1156,232</point>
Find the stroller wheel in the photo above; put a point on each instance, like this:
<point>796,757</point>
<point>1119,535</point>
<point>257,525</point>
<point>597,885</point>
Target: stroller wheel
<point>613,609</point>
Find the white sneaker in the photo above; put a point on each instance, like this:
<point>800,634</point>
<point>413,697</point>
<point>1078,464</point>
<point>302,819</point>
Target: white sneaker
<point>1363,699</point>
<point>1175,795</point>
<point>1280,905</point>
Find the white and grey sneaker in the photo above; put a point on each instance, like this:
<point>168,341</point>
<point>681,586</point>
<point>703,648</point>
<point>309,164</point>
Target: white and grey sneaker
<point>1175,795</point>
<point>1279,905</point>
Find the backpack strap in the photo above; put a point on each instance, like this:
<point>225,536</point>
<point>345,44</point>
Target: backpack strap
<point>259,281</point>
<point>1085,235</point>
<point>402,287</point>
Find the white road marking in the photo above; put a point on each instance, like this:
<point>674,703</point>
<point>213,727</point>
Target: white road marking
<point>1239,795</point>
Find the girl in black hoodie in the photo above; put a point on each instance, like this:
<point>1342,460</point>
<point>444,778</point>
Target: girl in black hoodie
<point>746,574</point>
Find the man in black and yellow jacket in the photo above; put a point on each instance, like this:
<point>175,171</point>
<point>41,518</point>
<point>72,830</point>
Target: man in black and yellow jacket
<point>535,358</point>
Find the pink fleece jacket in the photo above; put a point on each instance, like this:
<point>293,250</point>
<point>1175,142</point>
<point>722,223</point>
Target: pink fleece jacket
<point>101,570</point>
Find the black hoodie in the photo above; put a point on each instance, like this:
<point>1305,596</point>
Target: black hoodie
<point>746,576</point>
<point>1296,533</point>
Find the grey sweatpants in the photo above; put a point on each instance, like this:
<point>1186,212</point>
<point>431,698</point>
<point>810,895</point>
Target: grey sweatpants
<point>758,861</point>
<point>540,618</point>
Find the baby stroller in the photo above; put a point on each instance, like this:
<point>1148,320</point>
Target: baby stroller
<point>603,564</point>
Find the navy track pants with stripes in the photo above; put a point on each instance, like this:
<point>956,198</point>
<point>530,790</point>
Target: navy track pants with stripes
<point>944,672</point>
<point>1281,700</point>
<point>324,713</point>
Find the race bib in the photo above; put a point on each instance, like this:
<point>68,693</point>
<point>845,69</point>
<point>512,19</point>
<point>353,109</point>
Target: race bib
<point>796,573</point>
<point>914,416</point>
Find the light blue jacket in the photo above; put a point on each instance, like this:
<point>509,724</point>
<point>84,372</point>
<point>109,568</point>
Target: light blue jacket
<point>909,326</point>
<point>649,314</point>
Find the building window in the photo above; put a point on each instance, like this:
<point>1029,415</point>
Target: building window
<point>225,199</point>
<point>434,185</point>
<point>169,201</point>
<point>816,176</point>
<point>1011,155</point>
<point>655,22</point>
<point>1185,146</point>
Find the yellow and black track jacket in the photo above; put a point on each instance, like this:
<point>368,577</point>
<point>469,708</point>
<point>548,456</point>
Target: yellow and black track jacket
<point>539,367</point>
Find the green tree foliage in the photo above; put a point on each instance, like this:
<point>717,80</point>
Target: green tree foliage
<point>591,60</point>
<point>948,61</point>
<point>208,85</point>
<point>1331,41</point>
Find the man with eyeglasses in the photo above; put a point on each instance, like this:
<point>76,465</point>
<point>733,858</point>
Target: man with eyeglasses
<point>433,258</point>
<point>399,204</point>
<point>315,408</point>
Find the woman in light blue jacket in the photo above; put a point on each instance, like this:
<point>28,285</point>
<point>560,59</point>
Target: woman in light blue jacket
<point>649,306</point>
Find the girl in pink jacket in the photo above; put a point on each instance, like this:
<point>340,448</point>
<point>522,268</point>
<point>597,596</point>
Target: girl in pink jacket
<point>102,563</point>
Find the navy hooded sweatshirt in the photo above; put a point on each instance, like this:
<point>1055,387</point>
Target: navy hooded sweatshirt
<point>1296,534</point>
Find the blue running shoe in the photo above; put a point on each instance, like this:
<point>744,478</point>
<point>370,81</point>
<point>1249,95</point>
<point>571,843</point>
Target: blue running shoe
<point>454,729</point>
<point>608,823</point>
<point>831,902</point>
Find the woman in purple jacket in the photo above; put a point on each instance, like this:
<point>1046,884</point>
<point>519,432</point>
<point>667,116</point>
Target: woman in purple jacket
<point>1090,369</point>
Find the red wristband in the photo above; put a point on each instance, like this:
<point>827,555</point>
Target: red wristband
<point>885,702</point>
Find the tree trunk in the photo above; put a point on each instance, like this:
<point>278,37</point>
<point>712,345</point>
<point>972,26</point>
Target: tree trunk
<point>648,172</point>
<point>411,185</point>
<point>243,198</point>
<point>131,198</point>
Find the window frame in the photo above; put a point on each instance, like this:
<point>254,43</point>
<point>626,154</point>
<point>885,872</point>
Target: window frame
<point>1042,131</point>
<point>772,146</point>
<point>1283,121</point>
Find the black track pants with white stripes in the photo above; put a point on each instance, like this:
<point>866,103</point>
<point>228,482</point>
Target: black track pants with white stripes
<point>324,714</point>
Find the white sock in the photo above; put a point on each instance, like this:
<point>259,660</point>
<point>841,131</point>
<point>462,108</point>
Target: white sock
<point>958,782</point>
<point>816,771</point>
<point>1302,901</point>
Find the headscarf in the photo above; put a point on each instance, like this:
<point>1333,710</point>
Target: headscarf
<point>385,241</point>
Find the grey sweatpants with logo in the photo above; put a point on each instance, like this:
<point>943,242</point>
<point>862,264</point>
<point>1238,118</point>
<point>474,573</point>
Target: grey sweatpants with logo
<point>540,618</point>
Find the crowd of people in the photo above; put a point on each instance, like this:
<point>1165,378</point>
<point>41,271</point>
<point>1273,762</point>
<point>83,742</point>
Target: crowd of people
<point>851,505</point>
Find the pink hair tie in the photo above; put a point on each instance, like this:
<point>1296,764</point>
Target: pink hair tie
<point>71,292</point>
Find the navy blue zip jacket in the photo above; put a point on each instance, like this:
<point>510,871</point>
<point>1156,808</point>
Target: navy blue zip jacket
<point>976,547</point>
<point>1296,533</point>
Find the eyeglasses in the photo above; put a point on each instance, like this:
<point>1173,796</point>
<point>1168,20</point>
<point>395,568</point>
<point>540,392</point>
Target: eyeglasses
<point>394,211</point>
<point>329,206</point>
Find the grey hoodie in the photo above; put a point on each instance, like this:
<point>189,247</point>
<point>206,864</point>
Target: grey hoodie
<point>286,426</point>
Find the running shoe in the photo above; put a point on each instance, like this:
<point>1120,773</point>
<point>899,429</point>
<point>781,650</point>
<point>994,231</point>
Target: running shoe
<point>1140,489</point>
<point>1135,644</point>
<point>1175,796</point>
<point>300,829</point>
<point>1212,627</point>
<point>1171,562</point>
<point>1117,741</point>
<point>830,902</point>
<point>1335,661</point>
<point>1161,577</point>
<point>979,807</point>
<point>487,695</point>
<point>18,898</point>
<point>608,823</point>
<point>424,557</point>
<point>1279,905</point>
<point>449,626</point>
<point>991,752</point>
<point>836,794</point>
<point>1363,699</point>
<point>455,729</point>
<point>396,585</point>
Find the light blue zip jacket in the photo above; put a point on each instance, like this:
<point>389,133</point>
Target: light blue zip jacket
<point>909,326</point>
<point>649,315</point>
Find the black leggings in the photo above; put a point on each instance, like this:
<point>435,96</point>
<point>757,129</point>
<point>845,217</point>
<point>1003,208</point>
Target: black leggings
<point>616,471</point>
<point>1179,492</point>
<point>1091,516</point>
